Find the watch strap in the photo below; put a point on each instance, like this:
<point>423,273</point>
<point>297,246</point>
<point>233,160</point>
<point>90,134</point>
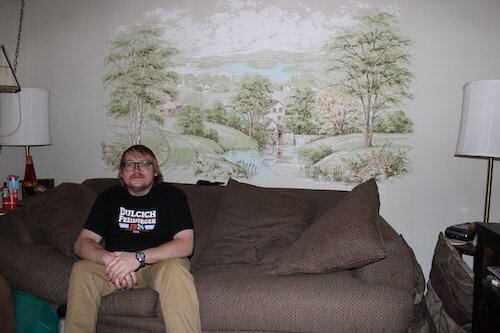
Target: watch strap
<point>141,258</point>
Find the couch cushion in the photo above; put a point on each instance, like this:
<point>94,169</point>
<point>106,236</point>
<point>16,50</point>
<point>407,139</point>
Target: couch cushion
<point>254,225</point>
<point>61,213</point>
<point>395,270</point>
<point>250,298</point>
<point>118,304</point>
<point>346,236</point>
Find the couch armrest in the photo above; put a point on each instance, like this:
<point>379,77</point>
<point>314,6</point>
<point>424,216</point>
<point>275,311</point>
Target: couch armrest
<point>400,269</point>
<point>7,307</point>
<point>41,271</point>
<point>395,270</point>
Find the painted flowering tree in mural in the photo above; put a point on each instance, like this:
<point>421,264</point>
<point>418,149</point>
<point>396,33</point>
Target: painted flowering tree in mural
<point>338,111</point>
<point>370,63</point>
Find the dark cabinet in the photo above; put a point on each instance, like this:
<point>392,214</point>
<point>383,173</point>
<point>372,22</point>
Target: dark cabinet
<point>486,309</point>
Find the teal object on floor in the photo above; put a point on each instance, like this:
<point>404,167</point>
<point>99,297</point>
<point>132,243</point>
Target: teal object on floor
<point>34,315</point>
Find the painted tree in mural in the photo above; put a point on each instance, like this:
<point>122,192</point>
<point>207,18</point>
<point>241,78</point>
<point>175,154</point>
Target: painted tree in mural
<point>140,78</point>
<point>300,110</point>
<point>370,62</point>
<point>253,93</point>
<point>190,121</point>
<point>337,111</point>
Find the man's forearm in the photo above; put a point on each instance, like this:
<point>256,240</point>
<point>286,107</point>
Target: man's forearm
<point>90,250</point>
<point>177,248</point>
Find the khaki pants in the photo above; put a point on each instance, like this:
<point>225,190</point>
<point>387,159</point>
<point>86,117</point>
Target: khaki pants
<point>171,279</point>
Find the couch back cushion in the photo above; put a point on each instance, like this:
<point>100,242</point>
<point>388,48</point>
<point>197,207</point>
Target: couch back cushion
<point>99,185</point>
<point>203,202</point>
<point>61,213</point>
<point>255,225</point>
<point>346,236</point>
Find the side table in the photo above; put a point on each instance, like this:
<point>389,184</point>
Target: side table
<point>467,249</point>
<point>486,303</point>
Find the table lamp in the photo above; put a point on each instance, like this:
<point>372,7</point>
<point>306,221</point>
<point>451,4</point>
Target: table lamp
<point>479,135</point>
<point>24,121</point>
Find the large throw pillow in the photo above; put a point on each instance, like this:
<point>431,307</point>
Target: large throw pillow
<point>450,289</point>
<point>255,225</point>
<point>61,213</point>
<point>346,236</point>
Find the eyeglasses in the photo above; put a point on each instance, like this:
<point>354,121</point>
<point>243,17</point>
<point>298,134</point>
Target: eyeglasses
<point>130,166</point>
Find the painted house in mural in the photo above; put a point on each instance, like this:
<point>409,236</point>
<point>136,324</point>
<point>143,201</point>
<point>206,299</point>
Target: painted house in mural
<point>273,121</point>
<point>169,108</point>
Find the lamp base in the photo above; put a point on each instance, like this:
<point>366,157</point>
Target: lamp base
<point>29,182</point>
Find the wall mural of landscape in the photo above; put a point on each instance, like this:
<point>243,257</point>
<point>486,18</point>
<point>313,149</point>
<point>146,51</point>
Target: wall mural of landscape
<point>264,94</point>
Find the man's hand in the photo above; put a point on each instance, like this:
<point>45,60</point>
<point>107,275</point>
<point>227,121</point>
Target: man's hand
<point>121,269</point>
<point>120,266</point>
<point>128,282</point>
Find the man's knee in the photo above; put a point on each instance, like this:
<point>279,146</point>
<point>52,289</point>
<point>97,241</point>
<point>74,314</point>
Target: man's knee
<point>172,269</point>
<point>174,264</point>
<point>83,268</point>
<point>83,265</point>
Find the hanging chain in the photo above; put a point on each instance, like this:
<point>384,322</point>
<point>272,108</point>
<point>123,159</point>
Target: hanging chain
<point>19,29</point>
<point>18,46</point>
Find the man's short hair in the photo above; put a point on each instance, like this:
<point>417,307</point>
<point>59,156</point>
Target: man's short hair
<point>145,151</point>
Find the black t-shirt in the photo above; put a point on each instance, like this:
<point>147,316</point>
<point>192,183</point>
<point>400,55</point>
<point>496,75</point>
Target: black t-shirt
<point>129,223</point>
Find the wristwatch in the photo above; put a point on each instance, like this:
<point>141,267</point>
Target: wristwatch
<point>141,258</point>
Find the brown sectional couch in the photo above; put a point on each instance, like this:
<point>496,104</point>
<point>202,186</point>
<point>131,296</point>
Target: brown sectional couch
<point>265,260</point>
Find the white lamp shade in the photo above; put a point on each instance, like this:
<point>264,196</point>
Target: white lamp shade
<point>24,118</point>
<point>479,134</point>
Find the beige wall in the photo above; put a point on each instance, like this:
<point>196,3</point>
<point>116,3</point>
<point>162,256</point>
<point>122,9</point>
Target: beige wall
<point>63,50</point>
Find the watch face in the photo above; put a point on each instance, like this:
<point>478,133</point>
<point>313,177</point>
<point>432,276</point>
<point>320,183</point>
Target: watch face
<point>140,257</point>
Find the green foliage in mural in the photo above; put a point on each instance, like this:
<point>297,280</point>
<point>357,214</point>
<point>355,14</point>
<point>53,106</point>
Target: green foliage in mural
<point>396,122</point>
<point>377,163</point>
<point>300,111</point>
<point>345,158</point>
<point>315,154</point>
<point>218,114</point>
<point>190,121</point>
<point>140,77</point>
<point>216,83</point>
<point>253,93</point>
<point>369,61</point>
<point>260,135</point>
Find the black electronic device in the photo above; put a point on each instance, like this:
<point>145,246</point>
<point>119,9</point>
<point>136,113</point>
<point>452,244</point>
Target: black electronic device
<point>460,231</point>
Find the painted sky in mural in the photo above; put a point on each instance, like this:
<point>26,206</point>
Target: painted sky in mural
<point>264,94</point>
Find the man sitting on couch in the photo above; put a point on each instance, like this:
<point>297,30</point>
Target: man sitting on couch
<point>148,232</point>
